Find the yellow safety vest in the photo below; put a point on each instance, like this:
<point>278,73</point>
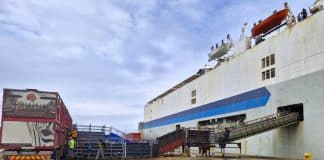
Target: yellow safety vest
<point>71,144</point>
<point>100,145</point>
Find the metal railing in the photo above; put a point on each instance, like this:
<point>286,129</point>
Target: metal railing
<point>116,144</point>
<point>207,137</point>
<point>259,125</point>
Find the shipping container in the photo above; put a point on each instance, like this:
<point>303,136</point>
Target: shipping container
<point>133,137</point>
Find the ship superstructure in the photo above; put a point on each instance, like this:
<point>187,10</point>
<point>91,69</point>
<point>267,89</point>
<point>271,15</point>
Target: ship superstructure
<point>283,72</point>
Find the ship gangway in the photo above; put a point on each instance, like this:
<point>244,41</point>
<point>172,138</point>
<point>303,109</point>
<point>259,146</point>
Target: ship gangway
<point>209,137</point>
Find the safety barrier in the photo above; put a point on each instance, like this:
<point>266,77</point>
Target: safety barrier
<point>116,145</point>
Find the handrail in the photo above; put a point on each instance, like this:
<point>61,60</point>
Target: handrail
<point>91,128</point>
<point>267,118</point>
<point>216,135</point>
<point>259,125</point>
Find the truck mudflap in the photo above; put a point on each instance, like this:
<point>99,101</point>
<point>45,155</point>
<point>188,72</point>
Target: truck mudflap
<point>29,157</point>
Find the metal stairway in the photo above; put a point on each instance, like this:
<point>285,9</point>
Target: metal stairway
<point>191,137</point>
<point>258,126</point>
<point>210,137</point>
<point>171,141</point>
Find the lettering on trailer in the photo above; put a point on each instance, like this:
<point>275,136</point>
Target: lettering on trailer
<point>248,100</point>
<point>30,157</point>
<point>29,104</point>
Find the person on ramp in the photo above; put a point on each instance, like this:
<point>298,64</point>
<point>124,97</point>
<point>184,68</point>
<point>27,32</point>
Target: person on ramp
<point>101,147</point>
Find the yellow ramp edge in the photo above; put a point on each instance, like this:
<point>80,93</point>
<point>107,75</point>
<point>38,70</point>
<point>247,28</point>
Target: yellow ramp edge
<point>31,157</point>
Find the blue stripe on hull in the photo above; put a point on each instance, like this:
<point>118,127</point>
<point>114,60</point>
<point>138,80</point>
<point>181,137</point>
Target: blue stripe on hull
<point>248,100</point>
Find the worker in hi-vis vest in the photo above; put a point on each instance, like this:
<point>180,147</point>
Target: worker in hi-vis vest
<point>101,147</point>
<point>71,146</point>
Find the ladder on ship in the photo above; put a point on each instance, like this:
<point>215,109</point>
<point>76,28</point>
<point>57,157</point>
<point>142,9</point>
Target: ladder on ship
<point>197,138</point>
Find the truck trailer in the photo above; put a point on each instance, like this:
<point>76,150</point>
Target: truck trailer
<point>35,124</point>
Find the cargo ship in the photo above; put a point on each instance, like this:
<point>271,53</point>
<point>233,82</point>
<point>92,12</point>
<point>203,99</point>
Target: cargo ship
<point>263,74</point>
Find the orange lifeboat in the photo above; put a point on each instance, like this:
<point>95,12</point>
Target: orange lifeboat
<point>269,23</point>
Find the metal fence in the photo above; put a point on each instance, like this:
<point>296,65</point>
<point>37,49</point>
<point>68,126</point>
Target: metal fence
<point>116,144</point>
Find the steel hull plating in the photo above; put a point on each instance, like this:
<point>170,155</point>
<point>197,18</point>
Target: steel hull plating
<point>288,142</point>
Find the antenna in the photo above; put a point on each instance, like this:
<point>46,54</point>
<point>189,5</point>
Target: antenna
<point>243,30</point>
<point>230,41</point>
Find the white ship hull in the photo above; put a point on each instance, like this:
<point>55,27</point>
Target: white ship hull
<point>237,87</point>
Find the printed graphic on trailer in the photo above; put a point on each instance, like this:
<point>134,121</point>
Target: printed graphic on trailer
<point>29,104</point>
<point>28,133</point>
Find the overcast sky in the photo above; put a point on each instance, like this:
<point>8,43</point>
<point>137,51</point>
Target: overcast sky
<point>108,58</point>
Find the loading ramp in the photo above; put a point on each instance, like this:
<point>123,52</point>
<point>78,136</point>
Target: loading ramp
<point>171,141</point>
<point>260,125</point>
<point>208,137</point>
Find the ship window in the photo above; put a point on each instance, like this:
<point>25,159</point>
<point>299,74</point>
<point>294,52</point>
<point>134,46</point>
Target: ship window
<point>296,108</point>
<point>219,120</point>
<point>193,96</point>
<point>273,72</point>
<point>193,93</point>
<point>193,101</point>
<point>267,71</point>
<point>213,121</point>
<point>232,120</point>
<point>267,61</point>
<point>204,123</point>
<point>272,59</point>
<point>267,74</point>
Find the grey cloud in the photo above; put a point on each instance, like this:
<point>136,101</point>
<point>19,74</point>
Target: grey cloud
<point>106,54</point>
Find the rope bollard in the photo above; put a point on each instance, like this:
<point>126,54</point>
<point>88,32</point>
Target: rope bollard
<point>308,156</point>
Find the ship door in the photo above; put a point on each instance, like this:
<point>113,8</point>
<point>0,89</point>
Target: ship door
<point>293,108</point>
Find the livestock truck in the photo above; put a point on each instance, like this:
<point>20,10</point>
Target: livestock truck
<point>34,125</point>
